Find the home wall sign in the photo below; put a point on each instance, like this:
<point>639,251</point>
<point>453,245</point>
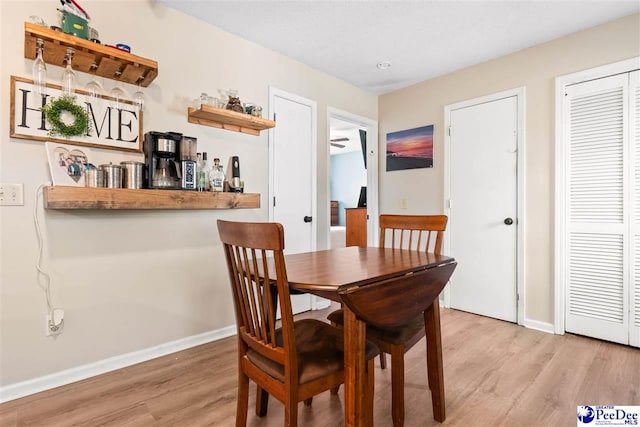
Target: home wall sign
<point>114,125</point>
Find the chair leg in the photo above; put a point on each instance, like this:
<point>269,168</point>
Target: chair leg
<point>291,412</point>
<point>397,386</point>
<point>243,400</point>
<point>262,402</point>
<point>383,360</point>
<point>429,372</point>
<point>308,402</point>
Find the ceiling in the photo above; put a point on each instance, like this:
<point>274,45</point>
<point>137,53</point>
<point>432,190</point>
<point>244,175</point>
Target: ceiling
<point>340,129</point>
<point>421,39</point>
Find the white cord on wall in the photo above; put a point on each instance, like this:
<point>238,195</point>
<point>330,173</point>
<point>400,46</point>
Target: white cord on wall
<point>43,278</point>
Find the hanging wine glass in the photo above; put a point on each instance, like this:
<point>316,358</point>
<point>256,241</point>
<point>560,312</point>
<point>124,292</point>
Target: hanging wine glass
<point>117,94</point>
<point>138,97</point>
<point>69,76</point>
<point>93,87</point>
<point>39,71</point>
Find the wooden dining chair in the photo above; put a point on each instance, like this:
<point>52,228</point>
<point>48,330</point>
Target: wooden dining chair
<point>416,232</point>
<point>292,362</point>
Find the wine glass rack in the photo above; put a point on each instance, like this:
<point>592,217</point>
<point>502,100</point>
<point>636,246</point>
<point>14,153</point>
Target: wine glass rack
<point>92,58</point>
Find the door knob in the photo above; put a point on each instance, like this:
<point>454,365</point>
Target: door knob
<point>307,219</point>
<point>508,221</point>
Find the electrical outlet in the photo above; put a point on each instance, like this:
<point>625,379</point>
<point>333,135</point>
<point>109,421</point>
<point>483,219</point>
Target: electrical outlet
<point>403,203</point>
<point>11,194</point>
<point>55,322</point>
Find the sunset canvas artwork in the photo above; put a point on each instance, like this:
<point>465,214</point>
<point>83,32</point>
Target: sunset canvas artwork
<point>410,149</point>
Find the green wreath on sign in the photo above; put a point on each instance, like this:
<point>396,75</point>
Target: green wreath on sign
<point>53,112</point>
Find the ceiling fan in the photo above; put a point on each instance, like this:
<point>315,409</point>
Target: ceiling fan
<point>334,142</point>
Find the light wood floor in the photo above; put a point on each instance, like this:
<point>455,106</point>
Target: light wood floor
<point>496,374</point>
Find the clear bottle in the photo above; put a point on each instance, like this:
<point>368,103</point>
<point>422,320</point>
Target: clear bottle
<point>204,99</point>
<point>39,72</point>
<point>207,172</point>
<point>217,176</point>
<point>202,179</point>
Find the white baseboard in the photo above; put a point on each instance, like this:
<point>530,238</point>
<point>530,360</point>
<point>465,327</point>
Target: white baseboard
<point>57,379</point>
<point>539,326</point>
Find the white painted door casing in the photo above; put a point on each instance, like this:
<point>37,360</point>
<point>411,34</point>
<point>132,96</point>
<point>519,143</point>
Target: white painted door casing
<point>634,116</point>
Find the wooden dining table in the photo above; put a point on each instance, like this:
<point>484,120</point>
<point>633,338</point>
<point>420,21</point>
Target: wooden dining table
<point>383,287</point>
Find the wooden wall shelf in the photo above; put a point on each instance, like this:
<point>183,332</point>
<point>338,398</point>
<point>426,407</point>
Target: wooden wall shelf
<point>109,62</point>
<point>63,197</point>
<point>229,120</point>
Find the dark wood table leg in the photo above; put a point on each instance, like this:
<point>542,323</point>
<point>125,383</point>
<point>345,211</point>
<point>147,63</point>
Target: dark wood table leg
<point>434,359</point>
<point>355,375</point>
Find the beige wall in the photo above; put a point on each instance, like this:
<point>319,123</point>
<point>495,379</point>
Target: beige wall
<point>536,69</point>
<point>135,279</point>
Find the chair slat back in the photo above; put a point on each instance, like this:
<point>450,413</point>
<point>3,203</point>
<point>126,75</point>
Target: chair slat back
<point>416,232</point>
<point>254,253</point>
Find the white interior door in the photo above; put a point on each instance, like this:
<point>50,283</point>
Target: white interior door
<point>293,170</point>
<point>483,208</point>
<point>596,217</point>
<point>597,240</point>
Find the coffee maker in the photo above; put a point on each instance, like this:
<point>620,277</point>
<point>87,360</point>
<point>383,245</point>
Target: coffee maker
<point>162,160</point>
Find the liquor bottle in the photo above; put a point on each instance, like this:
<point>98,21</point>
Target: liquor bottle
<point>207,172</point>
<point>201,172</point>
<point>217,176</point>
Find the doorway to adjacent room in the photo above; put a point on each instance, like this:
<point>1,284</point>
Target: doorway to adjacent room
<point>353,182</point>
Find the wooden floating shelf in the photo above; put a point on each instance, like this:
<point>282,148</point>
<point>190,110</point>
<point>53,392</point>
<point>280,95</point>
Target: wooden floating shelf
<point>112,63</point>
<point>229,120</point>
<point>63,197</point>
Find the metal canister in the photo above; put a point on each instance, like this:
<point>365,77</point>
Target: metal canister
<point>133,174</point>
<point>112,175</point>
<point>93,177</point>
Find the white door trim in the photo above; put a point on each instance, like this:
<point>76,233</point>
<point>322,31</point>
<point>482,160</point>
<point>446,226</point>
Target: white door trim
<point>372,169</point>
<point>520,94</point>
<point>560,157</point>
<point>273,92</point>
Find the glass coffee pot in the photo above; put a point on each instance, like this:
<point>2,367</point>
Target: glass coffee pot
<point>165,173</point>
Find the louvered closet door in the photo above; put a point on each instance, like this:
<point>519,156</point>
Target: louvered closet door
<point>634,130</point>
<point>597,211</point>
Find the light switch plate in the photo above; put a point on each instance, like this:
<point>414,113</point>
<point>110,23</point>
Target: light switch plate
<point>11,194</point>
